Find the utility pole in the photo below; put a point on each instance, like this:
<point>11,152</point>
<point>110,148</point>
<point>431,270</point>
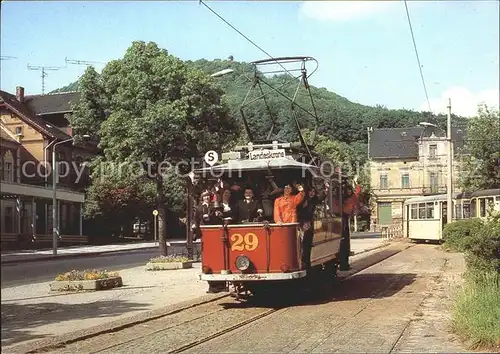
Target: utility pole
<point>449,188</point>
<point>44,74</point>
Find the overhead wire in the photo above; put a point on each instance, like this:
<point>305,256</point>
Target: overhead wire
<point>416,53</point>
<point>248,39</point>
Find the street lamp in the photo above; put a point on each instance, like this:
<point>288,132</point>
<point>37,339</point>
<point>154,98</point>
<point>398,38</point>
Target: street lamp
<point>222,72</point>
<point>55,230</point>
<point>189,233</point>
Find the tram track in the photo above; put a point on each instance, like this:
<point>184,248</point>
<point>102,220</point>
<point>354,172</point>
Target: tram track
<point>193,326</point>
<point>250,321</point>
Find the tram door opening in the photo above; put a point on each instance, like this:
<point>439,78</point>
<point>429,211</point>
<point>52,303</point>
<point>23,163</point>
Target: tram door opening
<point>444,214</point>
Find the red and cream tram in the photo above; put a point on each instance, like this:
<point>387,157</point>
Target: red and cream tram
<point>253,253</point>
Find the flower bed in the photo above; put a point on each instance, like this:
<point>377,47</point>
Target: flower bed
<point>90,279</point>
<point>169,259</point>
<point>169,262</point>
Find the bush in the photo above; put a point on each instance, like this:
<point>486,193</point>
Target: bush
<point>458,235</point>
<point>93,274</point>
<point>476,313</point>
<point>483,253</point>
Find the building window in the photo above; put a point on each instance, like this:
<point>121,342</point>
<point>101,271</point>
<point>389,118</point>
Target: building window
<point>9,220</point>
<point>8,167</point>
<point>433,181</point>
<point>383,182</point>
<point>405,180</point>
<point>432,151</point>
<point>19,130</point>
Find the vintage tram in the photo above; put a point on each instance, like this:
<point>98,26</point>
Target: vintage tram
<point>425,217</point>
<point>248,255</point>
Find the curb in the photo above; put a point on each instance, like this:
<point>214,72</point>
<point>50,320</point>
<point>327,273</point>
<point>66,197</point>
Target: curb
<point>72,255</point>
<point>371,249</point>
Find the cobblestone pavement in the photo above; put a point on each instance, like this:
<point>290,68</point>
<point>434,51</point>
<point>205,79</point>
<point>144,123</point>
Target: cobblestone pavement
<point>398,305</point>
<point>31,312</point>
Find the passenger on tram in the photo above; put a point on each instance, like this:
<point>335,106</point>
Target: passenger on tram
<point>269,191</point>
<point>306,219</point>
<point>204,213</point>
<point>349,203</point>
<point>249,209</point>
<point>226,208</point>
<point>285,207</point>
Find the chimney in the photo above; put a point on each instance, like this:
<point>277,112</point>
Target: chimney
<point>20,93</point>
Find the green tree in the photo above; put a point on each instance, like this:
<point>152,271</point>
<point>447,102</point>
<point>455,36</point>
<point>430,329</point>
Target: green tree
<point>162,110</point>
<point>88,113</point>
<point>480,159</point>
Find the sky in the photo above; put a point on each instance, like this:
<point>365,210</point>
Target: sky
<point>364,49</point>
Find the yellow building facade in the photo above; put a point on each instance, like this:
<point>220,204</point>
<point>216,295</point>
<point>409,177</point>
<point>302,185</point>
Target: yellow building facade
<point>405,163</point>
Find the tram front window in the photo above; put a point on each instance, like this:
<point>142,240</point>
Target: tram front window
<point>247,198</point>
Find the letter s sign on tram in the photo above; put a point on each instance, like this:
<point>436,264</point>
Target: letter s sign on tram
<point>211,157</point>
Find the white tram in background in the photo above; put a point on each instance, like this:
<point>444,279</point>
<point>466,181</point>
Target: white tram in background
<point>424,217</point>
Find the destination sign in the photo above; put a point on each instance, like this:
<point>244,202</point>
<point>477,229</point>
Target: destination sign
<point>266,154</point>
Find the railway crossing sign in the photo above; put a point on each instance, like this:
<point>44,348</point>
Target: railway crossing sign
<point>211,157</point>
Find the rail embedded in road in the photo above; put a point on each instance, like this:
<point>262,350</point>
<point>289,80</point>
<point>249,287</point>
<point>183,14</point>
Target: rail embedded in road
<point>208,315</point>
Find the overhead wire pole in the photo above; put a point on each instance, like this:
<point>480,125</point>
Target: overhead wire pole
<point>449,189</point>
<point>43,69</point>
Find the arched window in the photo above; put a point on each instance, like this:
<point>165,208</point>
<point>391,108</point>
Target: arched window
<point>8,167</point>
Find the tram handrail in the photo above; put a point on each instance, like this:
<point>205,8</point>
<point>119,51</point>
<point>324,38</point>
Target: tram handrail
<point>257,224</point>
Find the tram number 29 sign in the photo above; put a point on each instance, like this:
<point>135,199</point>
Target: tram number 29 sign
<point>248,242</point>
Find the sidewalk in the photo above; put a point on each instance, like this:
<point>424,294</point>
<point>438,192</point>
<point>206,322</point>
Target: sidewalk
<point>31,312</point>
<point>81,251</point>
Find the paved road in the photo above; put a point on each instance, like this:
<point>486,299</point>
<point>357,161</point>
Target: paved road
<point>393,306</point>
<point>46,270</point>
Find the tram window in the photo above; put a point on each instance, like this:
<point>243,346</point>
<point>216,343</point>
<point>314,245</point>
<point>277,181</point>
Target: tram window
<point>414,213</point>
<point>458,211</point>
<point>430,210</point>
<point>421,210</point>
<point>466,210</point>
<point>482,207</point>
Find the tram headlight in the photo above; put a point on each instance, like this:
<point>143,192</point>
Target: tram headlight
<point>242,263</point>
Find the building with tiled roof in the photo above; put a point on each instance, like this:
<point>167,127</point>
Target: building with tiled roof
<point>408,162</point>
<point>30,128</point>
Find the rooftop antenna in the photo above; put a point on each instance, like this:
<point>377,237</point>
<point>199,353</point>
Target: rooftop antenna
<point>7,57</point>
<point>81,62</point>
<point>44,74</point>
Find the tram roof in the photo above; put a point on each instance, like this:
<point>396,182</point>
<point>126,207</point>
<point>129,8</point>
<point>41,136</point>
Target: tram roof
<point>263,165</point>
<point>428,198</point>
<point>486,193</point>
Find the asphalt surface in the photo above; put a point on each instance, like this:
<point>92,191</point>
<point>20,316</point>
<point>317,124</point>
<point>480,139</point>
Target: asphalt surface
<point>44,270</point>
<point>391,307</point>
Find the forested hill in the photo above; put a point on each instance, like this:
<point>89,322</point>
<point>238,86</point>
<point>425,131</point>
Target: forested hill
<point>340,119</point>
